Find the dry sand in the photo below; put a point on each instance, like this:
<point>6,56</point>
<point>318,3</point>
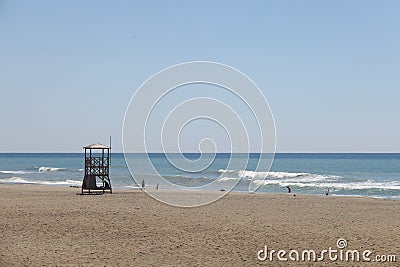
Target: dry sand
<point>42,225</point>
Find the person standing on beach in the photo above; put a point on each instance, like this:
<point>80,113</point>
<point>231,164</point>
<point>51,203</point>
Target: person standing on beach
<point>289,190</point>
<point>143,184</point>
<point>327,192</point>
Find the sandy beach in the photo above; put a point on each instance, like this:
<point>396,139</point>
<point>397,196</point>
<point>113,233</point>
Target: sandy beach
<point>54,226</point>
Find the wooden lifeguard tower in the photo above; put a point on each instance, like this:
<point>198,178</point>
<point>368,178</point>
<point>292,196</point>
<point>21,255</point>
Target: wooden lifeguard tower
<point>97,168</point>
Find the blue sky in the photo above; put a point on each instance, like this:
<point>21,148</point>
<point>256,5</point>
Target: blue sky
<point>329,69</point>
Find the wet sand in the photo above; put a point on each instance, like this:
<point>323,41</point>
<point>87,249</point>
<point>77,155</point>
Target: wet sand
<point>54,226</point>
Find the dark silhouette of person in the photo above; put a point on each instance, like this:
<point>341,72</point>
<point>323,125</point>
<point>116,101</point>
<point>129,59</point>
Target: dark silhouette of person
<point>289,190</point>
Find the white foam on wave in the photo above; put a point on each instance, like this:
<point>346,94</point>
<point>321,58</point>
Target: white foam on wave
<point>281,177</point>
<point>340,186</point>
<point>67,182</point>
<point>313,178</point>
<point>19,180</point>
<point>50,169</point>
<point>278,175</point>
<point>255,174</point>
<point>13,172</point>
<point>224,179</point>
<point>225,171</point>
<point>15,180</point>
<point>359,185</point>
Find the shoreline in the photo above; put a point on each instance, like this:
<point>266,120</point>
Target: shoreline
<point>119,188</point>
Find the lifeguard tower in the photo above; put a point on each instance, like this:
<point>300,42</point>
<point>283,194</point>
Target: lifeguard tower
<point>97,169</point>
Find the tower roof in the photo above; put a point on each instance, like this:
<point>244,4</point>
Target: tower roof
<point>97,146</point>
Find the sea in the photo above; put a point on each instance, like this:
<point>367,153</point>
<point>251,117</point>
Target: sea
<point>374,175</point>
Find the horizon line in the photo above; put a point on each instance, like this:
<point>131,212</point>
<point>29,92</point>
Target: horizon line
<point>191,152</point>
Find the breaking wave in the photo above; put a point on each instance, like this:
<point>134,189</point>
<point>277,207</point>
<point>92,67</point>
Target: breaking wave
<point>51,169</point>
<point>307,180</point>
<point>13,172</point>
<point>19,180</point>
<point>253,174</point>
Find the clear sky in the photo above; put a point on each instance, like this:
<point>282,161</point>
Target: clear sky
<point>329,69</point>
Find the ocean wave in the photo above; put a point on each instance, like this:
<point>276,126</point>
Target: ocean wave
<point>19,180</point>
<point>255,174</point>
<point>13,172</point>
<point>183,177</point>
<point>300,180</point>
<point>313,178</point>
<point>41,169</point>
<point>224,179</point>
<point>336,186</point>
<point>225,171</point>
<point>51,169</point>
<point>282,177</point>
<point>278,175</point>
<point>357,186</point>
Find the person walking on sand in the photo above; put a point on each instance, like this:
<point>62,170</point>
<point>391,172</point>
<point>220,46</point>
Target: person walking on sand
<point>289,190</point>
<point>143,184</point>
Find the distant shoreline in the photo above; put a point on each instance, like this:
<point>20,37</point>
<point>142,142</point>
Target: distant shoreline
<point>221,153</point>
<point>197,191</point>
